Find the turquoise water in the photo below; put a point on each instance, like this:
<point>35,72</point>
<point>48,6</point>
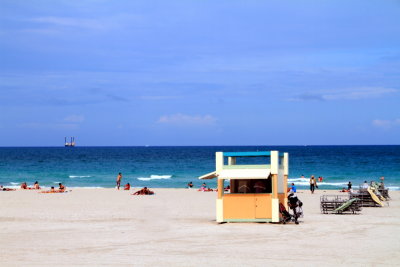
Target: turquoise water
<point>174,167</point>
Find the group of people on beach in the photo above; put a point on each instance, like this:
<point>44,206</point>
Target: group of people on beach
<point>143,191</point>
<point>205,188</point>
<point>313,183</point>
<point>61,189</point>
<point>36,186</point>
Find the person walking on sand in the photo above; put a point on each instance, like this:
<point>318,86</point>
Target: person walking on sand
<point>119,178</point>
<point>313,184</point>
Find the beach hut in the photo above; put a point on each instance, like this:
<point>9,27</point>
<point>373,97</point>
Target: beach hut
<point>258,183</point>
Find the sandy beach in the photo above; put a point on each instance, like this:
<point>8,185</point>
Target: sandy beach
<point>176,227</point>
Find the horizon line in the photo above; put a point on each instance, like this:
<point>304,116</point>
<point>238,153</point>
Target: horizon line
<point>192,146</point>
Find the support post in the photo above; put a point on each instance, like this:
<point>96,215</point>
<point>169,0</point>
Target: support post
<point>219,165</point>
<point>274,174</point>
<point>220,202</point>
<point>220,188</point>
<point>285,176</point>
<point>219,162</point>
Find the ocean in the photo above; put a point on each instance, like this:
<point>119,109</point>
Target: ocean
<point>175,166</point>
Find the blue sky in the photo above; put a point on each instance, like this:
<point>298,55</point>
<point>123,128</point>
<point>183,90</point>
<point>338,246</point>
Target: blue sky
<point>199,72</point>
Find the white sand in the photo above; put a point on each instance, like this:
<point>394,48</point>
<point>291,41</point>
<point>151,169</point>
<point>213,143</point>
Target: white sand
<point>176,227</point>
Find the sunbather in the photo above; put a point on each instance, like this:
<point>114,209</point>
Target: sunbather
<point>52,190</point>
<point>61,187</point>
<point>6,189</point>
<point>127,187</point>
<point>36,185</point>
<point>144,191</point>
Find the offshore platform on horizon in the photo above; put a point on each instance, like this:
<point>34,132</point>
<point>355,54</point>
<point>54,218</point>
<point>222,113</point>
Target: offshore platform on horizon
<point>71,143</point>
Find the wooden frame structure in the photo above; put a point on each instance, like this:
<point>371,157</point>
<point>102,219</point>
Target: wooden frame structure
<point>329,203</point>
<point>255,189</point>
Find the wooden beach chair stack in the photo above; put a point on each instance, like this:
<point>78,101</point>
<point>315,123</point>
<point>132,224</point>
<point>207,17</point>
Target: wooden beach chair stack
<point>366,198</point>
<point>330,204</point>
<point>384,192</point>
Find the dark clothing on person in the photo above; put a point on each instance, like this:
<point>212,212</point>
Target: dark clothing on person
<point>349,186</point>
<point>312,188</point>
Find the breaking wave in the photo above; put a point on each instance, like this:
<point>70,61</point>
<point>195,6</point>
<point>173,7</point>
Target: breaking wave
<point>154,177</point>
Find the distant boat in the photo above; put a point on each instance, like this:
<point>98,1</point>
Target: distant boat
<point>69,144</point>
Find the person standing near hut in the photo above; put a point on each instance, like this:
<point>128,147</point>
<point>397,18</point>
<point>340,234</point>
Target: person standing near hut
<point>313,184</point>
<point>119,178</point>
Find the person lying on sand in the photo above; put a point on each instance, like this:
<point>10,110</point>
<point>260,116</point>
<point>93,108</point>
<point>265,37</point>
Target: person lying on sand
<point>205,189</point>
<point>144,191</point>
<point>127,187</point>
<point>6,189</point>
<point>36,185</point>
<point>52,190</point>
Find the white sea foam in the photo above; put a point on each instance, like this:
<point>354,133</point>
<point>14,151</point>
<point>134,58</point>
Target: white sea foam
<point>79,176</point>
<point>306,182</point>
<point>154,177</point>
<point>394,188</point>
<point>12,183</point>
<point>85,187</point>
<point>292,180</point>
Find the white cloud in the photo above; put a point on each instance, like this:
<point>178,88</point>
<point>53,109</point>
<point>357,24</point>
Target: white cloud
<point>159,97</point>
<point>344,94</point>
<point>182,119</point>
<point>386,124</point>
<point>359,93</point>
<point>56,126</point>
<point>71,22</point>
<point>74,118</point>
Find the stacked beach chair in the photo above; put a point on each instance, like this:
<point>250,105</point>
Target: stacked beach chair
<point>339,204</point>
<point>367,198</point>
